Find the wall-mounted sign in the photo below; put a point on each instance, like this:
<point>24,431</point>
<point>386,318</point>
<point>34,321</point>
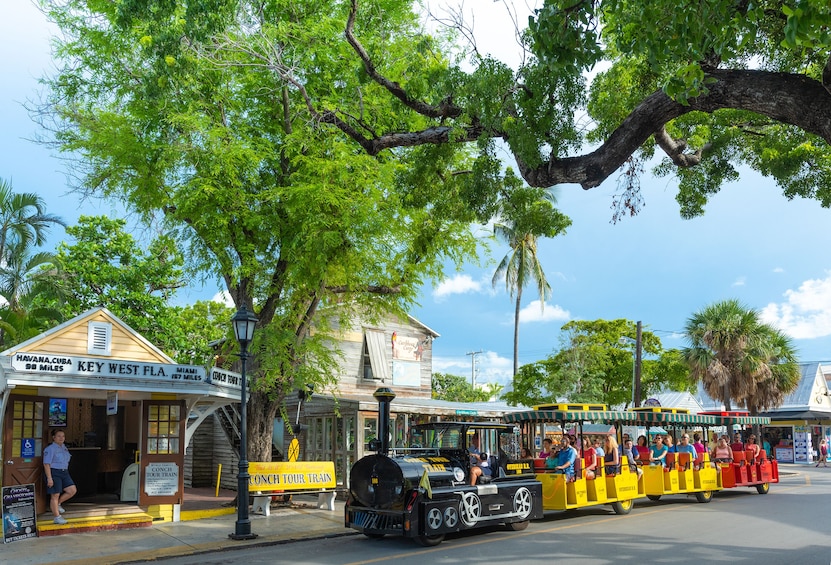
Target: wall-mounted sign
<point>112,402</point>
<point>19,518</point>
<point>405,373</point>
<point>161,479</point>
<point>96,367</point>
<point>406,348</point>
<point>57,412</point>
<point>27,447</point>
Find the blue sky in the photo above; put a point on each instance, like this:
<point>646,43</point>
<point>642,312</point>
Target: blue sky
<point>752,244</point>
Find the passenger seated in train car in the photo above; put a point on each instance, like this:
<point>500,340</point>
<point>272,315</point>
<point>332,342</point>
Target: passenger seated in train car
<point>611,460</point>
<point>564,459</point>
<point>669,441</point>
<point>525,453</point>
<point>658,452</point>
<point>737,444</point>
<point>547,450</point>
<point>479,464</point>
<point>698,445</point>
<point>590,456</point>
<point>684,446</point>
<point>642,446</point>
<point>630,457</point>
<point>722,452</point>
<point>751,445</point>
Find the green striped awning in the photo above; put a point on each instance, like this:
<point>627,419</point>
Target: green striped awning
<point>610,416</point>
<point>743,420</point>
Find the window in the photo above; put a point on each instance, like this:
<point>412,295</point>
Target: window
<point>163,429</point>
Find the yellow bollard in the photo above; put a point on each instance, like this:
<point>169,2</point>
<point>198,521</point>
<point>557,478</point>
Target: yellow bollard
<point>218,479</point>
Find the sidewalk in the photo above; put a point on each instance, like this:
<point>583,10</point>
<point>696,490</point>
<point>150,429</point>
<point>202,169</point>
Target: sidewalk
<point>301,520</point>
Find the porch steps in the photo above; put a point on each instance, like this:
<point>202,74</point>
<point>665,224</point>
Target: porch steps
<point>95,519</point>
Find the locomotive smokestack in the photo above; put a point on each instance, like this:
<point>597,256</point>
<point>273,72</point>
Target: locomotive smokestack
<point>384,395</point>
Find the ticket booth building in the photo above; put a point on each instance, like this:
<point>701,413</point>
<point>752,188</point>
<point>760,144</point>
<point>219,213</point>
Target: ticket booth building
<point>127,409</point>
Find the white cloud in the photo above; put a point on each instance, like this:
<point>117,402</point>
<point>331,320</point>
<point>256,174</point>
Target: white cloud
<point>807,312</point>
<point>460,284</point>
<point>224,297</point>
<point>552,313</point>
<point>778,270</point>
<point>740,281</point>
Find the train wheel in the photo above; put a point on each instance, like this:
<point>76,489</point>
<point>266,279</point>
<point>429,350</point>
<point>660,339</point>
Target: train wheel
<point>518,526</point>
<point>623,506</point>
<point>763,488</point>
<point>704,496</point>
<point>434,519</point>
<point>430,541</point>
<point>653,496</point>
<point>523,502</point>
<point>470,509</point>
<point>374,536</point>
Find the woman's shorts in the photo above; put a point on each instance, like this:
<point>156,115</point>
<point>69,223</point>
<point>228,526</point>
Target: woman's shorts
<point>60,481</point>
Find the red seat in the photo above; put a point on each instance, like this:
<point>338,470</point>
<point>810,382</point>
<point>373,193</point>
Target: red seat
<point>763,455</point>
<point>539,464</point>
<point>670,460</point>
<point>739,458</point>
<point>684,460</point>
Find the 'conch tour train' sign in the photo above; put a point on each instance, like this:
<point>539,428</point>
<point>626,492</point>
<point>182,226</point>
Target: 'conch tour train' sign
<point>285,475</point>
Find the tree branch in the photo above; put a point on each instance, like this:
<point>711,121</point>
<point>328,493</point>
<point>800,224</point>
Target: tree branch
<point>444,110</point>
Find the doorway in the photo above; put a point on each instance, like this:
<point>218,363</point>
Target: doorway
<point>25,436</point>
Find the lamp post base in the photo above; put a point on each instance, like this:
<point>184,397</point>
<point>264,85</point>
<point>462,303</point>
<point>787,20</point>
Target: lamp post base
<point>243,536</point>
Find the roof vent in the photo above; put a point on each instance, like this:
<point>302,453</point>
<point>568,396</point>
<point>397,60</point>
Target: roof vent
<point>99,338</point>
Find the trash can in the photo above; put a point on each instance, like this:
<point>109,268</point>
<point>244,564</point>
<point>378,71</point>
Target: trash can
<point>130,483</point>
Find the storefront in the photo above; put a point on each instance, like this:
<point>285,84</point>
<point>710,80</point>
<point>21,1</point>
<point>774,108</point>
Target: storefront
<point>127,410</point>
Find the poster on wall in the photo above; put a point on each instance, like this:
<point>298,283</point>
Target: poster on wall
<point>19,518</point>
<point>802,448</point>
<point>406,348</point>
<point>57,412</point>
<point>406,374</point>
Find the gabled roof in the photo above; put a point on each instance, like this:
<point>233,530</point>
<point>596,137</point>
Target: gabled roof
<point>50,340</point>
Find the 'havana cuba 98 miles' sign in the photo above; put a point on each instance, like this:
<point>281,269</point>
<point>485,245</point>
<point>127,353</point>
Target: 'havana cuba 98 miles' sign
<point>92,367</point>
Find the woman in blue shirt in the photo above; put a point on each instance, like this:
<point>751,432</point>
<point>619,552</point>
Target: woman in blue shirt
<point>658,452</point>
<point>59,485</point>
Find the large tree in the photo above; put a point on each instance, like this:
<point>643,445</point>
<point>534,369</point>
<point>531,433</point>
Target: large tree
<point>715,85</point>
<point>168,108</point>
<point>527,215</point>
<point>738,358</point>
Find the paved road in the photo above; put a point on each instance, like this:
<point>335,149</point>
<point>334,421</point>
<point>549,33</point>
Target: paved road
<point>790,525</point>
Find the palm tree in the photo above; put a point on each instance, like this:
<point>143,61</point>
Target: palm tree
<point>738,358</point>
<point>29,284</point>
<point>22,219</point>
<point>527,214</point>
<point>783,375</point>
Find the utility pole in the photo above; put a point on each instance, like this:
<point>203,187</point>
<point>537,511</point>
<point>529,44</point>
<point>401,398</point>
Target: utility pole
<point>473,369</point>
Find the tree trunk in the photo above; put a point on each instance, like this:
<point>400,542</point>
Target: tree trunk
<point>516,330</point>
<point>261,414</point>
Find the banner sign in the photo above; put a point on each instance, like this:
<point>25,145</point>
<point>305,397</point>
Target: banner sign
<point>97,367</point>
<point>285,475</point>
<point>19,517</point>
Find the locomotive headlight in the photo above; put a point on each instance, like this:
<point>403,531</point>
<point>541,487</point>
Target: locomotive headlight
<point>458,474</point>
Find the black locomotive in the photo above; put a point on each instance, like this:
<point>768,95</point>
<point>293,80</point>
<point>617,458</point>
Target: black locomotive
<point>424,490</point>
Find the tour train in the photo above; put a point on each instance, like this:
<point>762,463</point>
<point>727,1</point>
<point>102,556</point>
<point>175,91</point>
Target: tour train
<point>425,491</point>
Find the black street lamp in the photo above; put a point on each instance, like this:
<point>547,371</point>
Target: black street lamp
<point>244,324</point>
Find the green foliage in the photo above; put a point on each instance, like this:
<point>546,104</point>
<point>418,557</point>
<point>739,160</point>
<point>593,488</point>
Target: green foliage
<point>456,388</point>
<point>210,119</point>
<point>594,366</point>
<point>738,358</point>
<point>105,266</point>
